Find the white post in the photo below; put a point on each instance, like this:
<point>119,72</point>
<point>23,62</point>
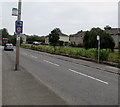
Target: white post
<point>98,38</point>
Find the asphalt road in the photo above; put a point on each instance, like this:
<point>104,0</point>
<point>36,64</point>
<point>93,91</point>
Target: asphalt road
<point>76,84</point>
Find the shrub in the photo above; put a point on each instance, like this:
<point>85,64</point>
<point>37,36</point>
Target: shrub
<point>103,55</point>
<point>77,52</point>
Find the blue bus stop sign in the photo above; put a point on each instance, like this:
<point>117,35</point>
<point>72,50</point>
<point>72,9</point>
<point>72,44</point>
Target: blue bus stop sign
<point>19,26</point>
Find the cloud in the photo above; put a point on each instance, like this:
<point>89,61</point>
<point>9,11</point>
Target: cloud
<point>0,15</point>
<point>119,14</point>
<point>62,1</point>
<point>41,17</point>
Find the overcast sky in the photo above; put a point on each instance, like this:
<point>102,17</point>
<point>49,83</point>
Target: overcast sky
<point>42,17</point>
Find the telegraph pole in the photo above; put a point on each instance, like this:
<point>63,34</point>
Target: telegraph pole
<point>18,37</point>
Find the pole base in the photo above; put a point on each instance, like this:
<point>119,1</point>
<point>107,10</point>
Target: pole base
<point>16,67</point>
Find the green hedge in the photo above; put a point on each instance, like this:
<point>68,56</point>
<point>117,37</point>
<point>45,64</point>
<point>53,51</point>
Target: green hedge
<point>77,52</point>
<point>103,54</point>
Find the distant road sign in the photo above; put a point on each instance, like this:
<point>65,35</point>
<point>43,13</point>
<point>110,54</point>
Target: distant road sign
<point>19,26</point>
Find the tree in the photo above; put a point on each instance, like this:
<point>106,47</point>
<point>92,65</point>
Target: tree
<point>86,40</point>
<point>31,39</point>
<point>107,27</point>
<point>5,33</point>
<point>54,36</point>
<point>12,40</point>
<point>61,43</point>
<point>106,40</point>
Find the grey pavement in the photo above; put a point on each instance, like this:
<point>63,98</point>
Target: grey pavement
<point>21,88</point>
<point>76,83</point>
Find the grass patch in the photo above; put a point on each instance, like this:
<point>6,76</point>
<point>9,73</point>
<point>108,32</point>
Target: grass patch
<point>77,52</point>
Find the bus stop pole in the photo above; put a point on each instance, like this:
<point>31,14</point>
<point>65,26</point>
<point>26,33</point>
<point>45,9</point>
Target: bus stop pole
<point>18,38</point>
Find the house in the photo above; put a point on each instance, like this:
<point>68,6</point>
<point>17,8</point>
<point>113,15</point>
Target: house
<point>77,39</point>
<point>47,39</point>
<point>63,37</point>
<point>114,32</point>
<point>24,37</point>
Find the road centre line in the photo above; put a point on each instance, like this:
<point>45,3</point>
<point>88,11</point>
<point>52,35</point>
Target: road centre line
<point>89,76</point>
<point>51,63</point>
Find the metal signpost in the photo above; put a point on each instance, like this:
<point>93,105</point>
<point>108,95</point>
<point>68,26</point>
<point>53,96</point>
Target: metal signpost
<point>18,30</point>
<point>98,38</point>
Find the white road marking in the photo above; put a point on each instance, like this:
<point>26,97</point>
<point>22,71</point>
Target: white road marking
<point>25,53</point>
<point>51,63</point>
<point>88,76</point>
<point>33,56</point>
